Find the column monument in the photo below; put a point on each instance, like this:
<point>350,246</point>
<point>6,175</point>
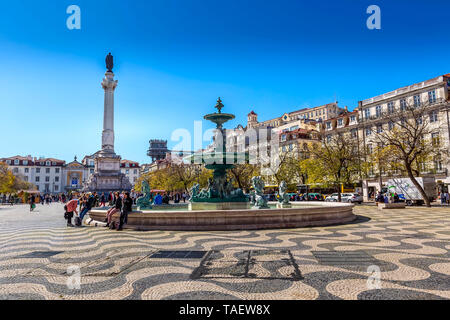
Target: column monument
<point>107,176</point>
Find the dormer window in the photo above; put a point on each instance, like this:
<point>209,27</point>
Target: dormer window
<point>25,162</point>
<point>47,163</point>
<point>16,161</point>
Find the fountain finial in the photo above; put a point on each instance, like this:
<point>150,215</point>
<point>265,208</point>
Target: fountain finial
<point>219,105</point>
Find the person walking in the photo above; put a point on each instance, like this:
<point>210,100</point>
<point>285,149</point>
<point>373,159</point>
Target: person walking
<point>127,207</point>
<point>103,200</point>
<point>32,202</point>
<point>446,197</point>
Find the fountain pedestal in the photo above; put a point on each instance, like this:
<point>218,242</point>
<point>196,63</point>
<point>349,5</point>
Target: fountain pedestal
<point>220,193</point>
<point>193,206</point>
<point>284,205</point>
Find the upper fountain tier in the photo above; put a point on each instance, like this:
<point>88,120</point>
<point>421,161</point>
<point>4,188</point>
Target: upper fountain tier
<point>219,118</point>
<point>219,156</point>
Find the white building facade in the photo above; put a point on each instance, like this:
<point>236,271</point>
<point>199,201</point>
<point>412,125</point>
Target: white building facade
<point>45,173</point>
<point>435,95</point>
<point>131,169</point>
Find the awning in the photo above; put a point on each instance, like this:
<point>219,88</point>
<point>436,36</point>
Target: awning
<point>29,191</point>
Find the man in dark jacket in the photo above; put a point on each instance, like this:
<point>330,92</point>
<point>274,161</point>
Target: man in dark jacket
<point>127,207</point>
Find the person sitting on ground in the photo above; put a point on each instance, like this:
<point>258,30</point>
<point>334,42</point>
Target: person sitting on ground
<point>116,208</point>
<point>71,207</point>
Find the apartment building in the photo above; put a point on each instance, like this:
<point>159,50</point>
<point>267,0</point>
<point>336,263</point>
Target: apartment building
<point>54,176</point>
<point>433,94</point>
<point>45,173</point>
<point>131,169</point>
<point>317,114</point>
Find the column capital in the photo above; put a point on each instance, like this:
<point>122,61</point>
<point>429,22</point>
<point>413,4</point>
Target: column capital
<point>109,82</point>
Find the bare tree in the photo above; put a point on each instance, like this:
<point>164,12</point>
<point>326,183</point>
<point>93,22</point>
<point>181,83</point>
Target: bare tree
<point>336,159</point>
<point>408,139</point>
<point>243,173</point>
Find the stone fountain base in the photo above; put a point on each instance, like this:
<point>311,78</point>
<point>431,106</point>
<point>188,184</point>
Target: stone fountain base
<point>284,205</point>
<point>305,214</point>
<point>218,206</point>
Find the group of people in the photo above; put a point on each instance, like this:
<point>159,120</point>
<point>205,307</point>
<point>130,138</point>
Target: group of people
<point>386,198</point>
<point>121,203</point>
<point>9,199</point>
<point>48,199</point>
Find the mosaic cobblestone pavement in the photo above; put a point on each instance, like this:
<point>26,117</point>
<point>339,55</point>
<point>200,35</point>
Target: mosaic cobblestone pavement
<point>410,247</point>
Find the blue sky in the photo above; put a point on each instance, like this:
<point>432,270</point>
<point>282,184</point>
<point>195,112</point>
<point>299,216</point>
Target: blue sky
<point>174,58</point>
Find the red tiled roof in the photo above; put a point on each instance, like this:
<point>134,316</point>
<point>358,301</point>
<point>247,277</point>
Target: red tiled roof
<point>29,158</point>
<point>133,164</point>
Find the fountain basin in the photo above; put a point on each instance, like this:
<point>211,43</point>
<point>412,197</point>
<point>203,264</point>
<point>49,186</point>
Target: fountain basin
<point>304,214</point>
